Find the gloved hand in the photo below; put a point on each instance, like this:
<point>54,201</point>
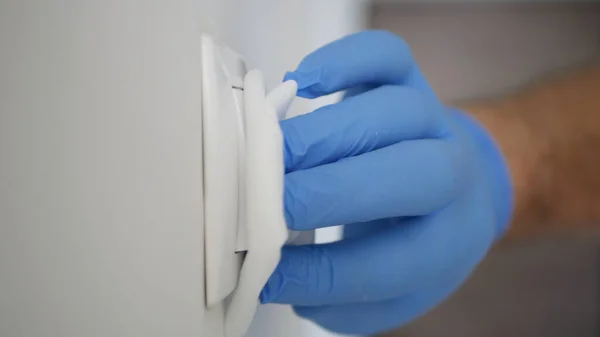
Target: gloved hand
<point>424,189</point>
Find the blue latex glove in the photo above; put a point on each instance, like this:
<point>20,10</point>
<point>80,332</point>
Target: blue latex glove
<point>423,187</point>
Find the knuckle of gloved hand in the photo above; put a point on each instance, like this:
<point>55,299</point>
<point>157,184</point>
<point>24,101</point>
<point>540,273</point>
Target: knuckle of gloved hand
<point>291,205</point>
<point>452,159</point>
<point>294,147</point>
<point>433,114</point>
<point>323,269</point>
<point>417,106</point>
<point>386,38</point>
<point>305,311</point>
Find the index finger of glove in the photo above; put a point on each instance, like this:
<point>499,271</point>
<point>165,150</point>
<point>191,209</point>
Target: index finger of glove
<point>369,58</point>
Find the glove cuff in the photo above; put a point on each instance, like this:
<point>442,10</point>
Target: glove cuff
<point>496,169</point>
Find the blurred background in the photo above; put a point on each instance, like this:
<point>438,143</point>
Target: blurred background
<point>542,286</point>
<point>531,286</point>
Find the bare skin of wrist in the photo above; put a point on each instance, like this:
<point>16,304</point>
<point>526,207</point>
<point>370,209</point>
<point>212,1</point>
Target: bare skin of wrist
<point>549,134</point>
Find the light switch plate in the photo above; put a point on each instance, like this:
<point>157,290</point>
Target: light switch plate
<point>223,134</point>
<point>244,171</point>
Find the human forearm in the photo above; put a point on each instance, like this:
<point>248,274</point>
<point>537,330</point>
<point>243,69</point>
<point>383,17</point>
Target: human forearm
<point>550,136</point>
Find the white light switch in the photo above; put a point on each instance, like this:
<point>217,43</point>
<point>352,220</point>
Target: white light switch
<point>222,138</point>
<point>244,171</point>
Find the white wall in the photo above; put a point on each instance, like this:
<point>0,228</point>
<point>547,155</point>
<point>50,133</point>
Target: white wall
<point>101,223</point>
<point>101,168</point>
